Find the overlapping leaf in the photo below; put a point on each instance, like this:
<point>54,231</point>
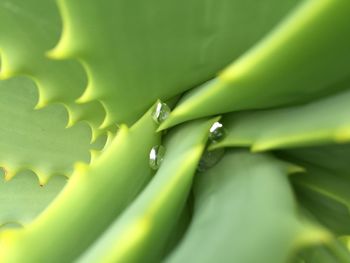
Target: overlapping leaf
<point>37,139</point>
<point>333,253</point>
<point>136,52</point>
<point>94,196</point>
<point>324,188</point>
<point>305,57</point>
<point>27,30</point>
<point>22,199</point>
<point>320,122</point>
<point>245,212</point>
<point>141,233</point>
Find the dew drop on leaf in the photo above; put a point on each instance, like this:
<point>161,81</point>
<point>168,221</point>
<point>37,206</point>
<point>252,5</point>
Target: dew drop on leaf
<point>217,132</point>
<point>161,112</point>
<point>209,159</point>
<point>156,156</point>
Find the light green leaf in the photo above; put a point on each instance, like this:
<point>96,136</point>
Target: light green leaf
<point>94,196</point>
<point>245,212</point>
<point>141,233</point>
<point>305,57</point>
<point>184,43</point>
<point>22,199</point>
<point>320,122</point>
<point>37,139</point>
<point>28,30</point>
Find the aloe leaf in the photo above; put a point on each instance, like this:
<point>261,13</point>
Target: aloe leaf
<point>37,139</point>
<point>29,29</point>
<point>334,253</point>
<point>331,212</point>
<point>331,184</point>
<point>331,157</point>
<point>180,228</point>
<point>244,207</point>
<point>22,199</point>
<point>91,115</point>
<point>184,43</point>
<point>320,122</point>
<point>304,58</point>
<point>141,233</point>
<point>324,187</point>
<point>94,196</point>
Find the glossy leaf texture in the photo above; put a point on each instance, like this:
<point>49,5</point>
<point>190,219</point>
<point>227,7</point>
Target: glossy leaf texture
<point>94,196</point>
<point>28,30</point>
<point>37,139</point>
<point>290,65</point>
<point>283,85</point>
<point>141,233</point>
<point>319,122</point>
<point>22,199</point>
<point>245,212</point>
<point>184,43</point>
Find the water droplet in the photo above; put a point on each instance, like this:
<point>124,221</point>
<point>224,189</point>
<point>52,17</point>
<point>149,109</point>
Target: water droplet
<point>217,132</point>
<point>209,159</point>
<point>156,156</point>
<point>161,112</point>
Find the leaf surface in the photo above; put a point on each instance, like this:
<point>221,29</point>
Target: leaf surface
<point>324,187</point>
<point>22,199</point>
<point>28,29</point>
<point>94,196</point>
<point>184,43</point>
<point>245,212</point>
<point>37,139</point>
<point>303,58</point>
<point>141,233</point>
<point>320,122</point>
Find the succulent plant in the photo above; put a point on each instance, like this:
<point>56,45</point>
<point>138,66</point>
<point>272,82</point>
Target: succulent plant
<point>175,131</point>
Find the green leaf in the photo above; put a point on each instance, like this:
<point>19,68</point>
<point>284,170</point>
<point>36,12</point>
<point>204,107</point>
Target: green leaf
<point>305,57</point>
<point>94,196</point>
<point>180,228</point>
<point>37,139</point>
<point>245,212</point>
<point>22,199</point>
<point>330,157</point>
<point>184,43</point>
<point>141,233</point>
<point>334,253</point>
<point>324,187</point>
<point>330,212</point>
<point>29,29</point>
<point>320,122</point>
